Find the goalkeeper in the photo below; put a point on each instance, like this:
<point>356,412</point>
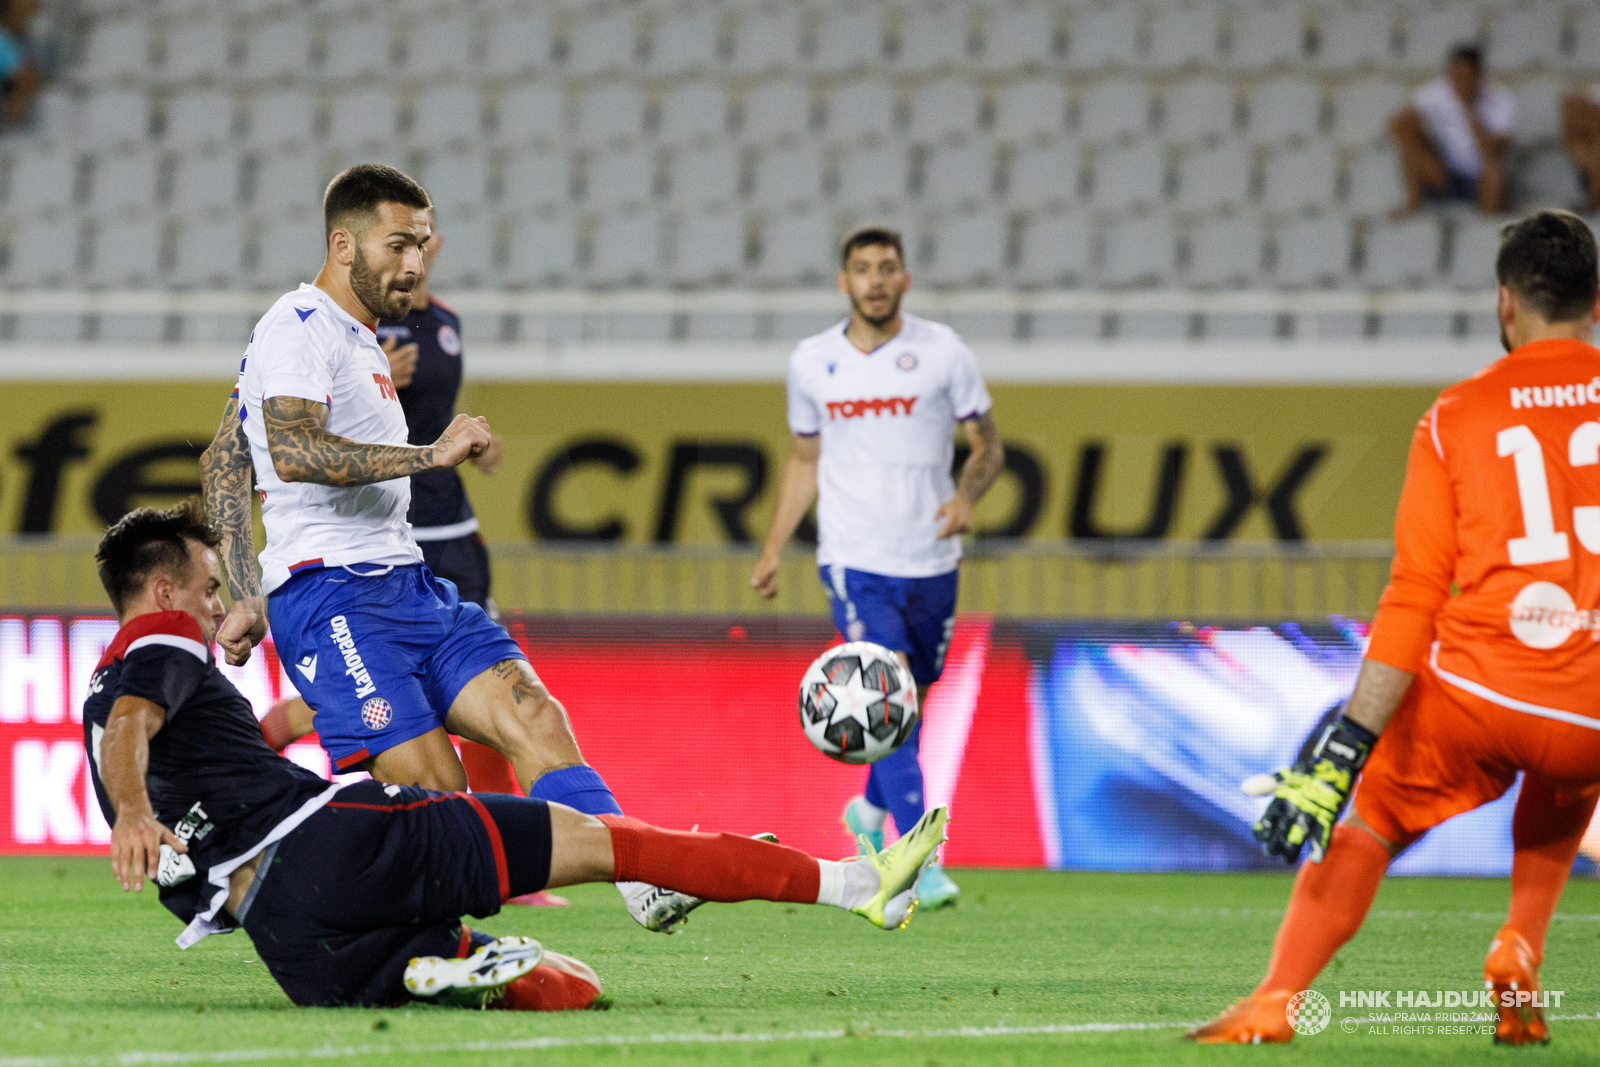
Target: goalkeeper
<point>1463,688</point>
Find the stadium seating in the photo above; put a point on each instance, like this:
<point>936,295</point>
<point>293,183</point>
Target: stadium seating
<point>1024,143</point>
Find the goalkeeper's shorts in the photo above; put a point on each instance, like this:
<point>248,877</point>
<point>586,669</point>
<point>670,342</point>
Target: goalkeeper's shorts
<point>1447,751</point>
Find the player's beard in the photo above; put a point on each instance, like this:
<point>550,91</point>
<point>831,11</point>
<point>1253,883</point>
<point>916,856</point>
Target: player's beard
<point>381,301</point>
<point>877,322</point>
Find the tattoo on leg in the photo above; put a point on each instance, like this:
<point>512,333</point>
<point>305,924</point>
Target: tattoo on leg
<point>521,677</point>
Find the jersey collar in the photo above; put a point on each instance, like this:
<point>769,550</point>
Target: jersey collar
<point>333,308</point>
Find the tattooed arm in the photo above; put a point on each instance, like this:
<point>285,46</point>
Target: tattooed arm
<point>225,474</point>
<point>303,450</point>
<point>983,466</point>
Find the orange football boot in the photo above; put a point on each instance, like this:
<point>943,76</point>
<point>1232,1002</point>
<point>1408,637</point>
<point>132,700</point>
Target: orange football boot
<point>1512,968</point>
<point>559,983</point>
<point>1260,1018</point>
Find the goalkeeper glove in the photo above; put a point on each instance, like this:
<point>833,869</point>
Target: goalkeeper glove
<point>1308,796</point>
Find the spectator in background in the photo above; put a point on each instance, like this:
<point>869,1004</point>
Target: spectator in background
<point>1454,135</point>
<point>1580,128</point>
<point>19,73</point>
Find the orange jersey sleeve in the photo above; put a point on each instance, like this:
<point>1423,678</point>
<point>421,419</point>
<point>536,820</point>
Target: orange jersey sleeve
<point>1425,553</point>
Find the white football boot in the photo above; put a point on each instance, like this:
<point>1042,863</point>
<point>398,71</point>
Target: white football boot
<point>660,910</point>
<point>477,980</point>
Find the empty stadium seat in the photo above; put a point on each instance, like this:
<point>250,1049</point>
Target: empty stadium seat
<point>1585,37</point>
<point>284,182</point>
<point>627,249</point>
<point>126,253</point>
<point>944,108</point>
<point>874,179</point>
<point>518,43</point>
<point>1283,108</point>
<point>1030,107</point>
<point>1198,108</point>
<point>543,251</point>
<point>1539,109</point>
<point>796,250</point>
<point>1215,177</point>
<point>1225,252</point>
<point>620,178</point>
<point>538,179</point>
<point>439,47</point>
<point>1128,177</point>
<point>692,111</point>
<point>967,250</point>
<point>1403,253</point>
<point>1352,37</point>
<point>283,118</point>
<point>1300,178</point>
<point>931,39</point>
<point>709,249</point>
<point>767,39</point>
<point>1523,36</point>
<point>1113,108</point>
<point>1139,251</point>
<point>603,45</point>
<point>1431,32</point>
<point>1056,250</point>
<point>685,42</point>
<point>43,251</point>
<point>1361,110</point>
<point>447,114</point>
<point>277,48</point>
<point>123,183</point>
<point>38,182</point>
<point>116,47</point>
<point>1312,252</point>
<point>206,182</point>
<point>787,176</point>
<point>363,117</point>
<point>1546,178</point>
<point>608,113</point>
<point>208,254</point>
<point>958,176</point>
<point>466,259</point>
<point>777,109</point>
<point>530,113</point>
<point>457,182</point>
<point>1182,36</point>
<point>1474,247</point>
<point>1043,176</point>
<point>358,48</point>
<point>1375,181</point>
<point>288,253</point>
<point>1098,37</point>
<point>705,176</point>
<point>115,119</point>
<point>861,109</point>
<point>849,39</point>
<point>196,48</point>
<point>1265,36</point>
<point>197,118</point>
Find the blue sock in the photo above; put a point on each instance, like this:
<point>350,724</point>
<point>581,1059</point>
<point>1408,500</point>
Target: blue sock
<point>578,787</point>
<point>895,783</point>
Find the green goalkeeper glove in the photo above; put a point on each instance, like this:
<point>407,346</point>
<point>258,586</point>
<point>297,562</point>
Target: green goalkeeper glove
<point>1308,796</point>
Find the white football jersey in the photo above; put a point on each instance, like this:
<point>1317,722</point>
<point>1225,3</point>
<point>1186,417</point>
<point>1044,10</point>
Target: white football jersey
<point>887,419</point>
<point>307,346</point>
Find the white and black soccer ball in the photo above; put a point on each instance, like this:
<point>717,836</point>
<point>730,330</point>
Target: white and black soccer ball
<point>857,703</point>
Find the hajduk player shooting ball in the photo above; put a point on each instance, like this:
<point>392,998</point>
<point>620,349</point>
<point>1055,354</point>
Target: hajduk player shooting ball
<point>874,404</point>
<point>392,659</point>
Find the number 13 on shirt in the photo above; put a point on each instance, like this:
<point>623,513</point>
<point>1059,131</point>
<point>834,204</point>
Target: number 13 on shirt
<point>1541,541</point>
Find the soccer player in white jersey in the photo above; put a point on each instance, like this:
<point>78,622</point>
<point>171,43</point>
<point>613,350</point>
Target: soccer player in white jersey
<point>874,403</point>
<point>390,658</point>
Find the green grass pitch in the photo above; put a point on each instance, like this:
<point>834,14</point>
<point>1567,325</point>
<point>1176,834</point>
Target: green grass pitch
<point>90,977</point>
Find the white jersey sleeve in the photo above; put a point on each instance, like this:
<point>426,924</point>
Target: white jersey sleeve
<point>969,397</point>
<point>805,417</point>
<point>299,366</point>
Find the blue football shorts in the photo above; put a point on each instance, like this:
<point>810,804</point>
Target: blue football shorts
<point>911,615</point>
<point>380,655</point>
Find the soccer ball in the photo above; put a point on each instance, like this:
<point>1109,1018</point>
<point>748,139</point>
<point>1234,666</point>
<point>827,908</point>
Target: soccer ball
<point>857,703</point>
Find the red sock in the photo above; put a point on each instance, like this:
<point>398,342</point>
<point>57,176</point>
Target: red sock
<point>1329,901</point>
<point>487,770</point>
<point>720,867</point>
<point>275,726</point>
<point>1546,830</point>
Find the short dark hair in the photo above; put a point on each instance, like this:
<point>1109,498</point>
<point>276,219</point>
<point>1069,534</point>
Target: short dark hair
<point>1548,259</point>
<point>360,189</point>
<point>1468,51</point>
<point>872,235</point>
<point>150,541</point>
